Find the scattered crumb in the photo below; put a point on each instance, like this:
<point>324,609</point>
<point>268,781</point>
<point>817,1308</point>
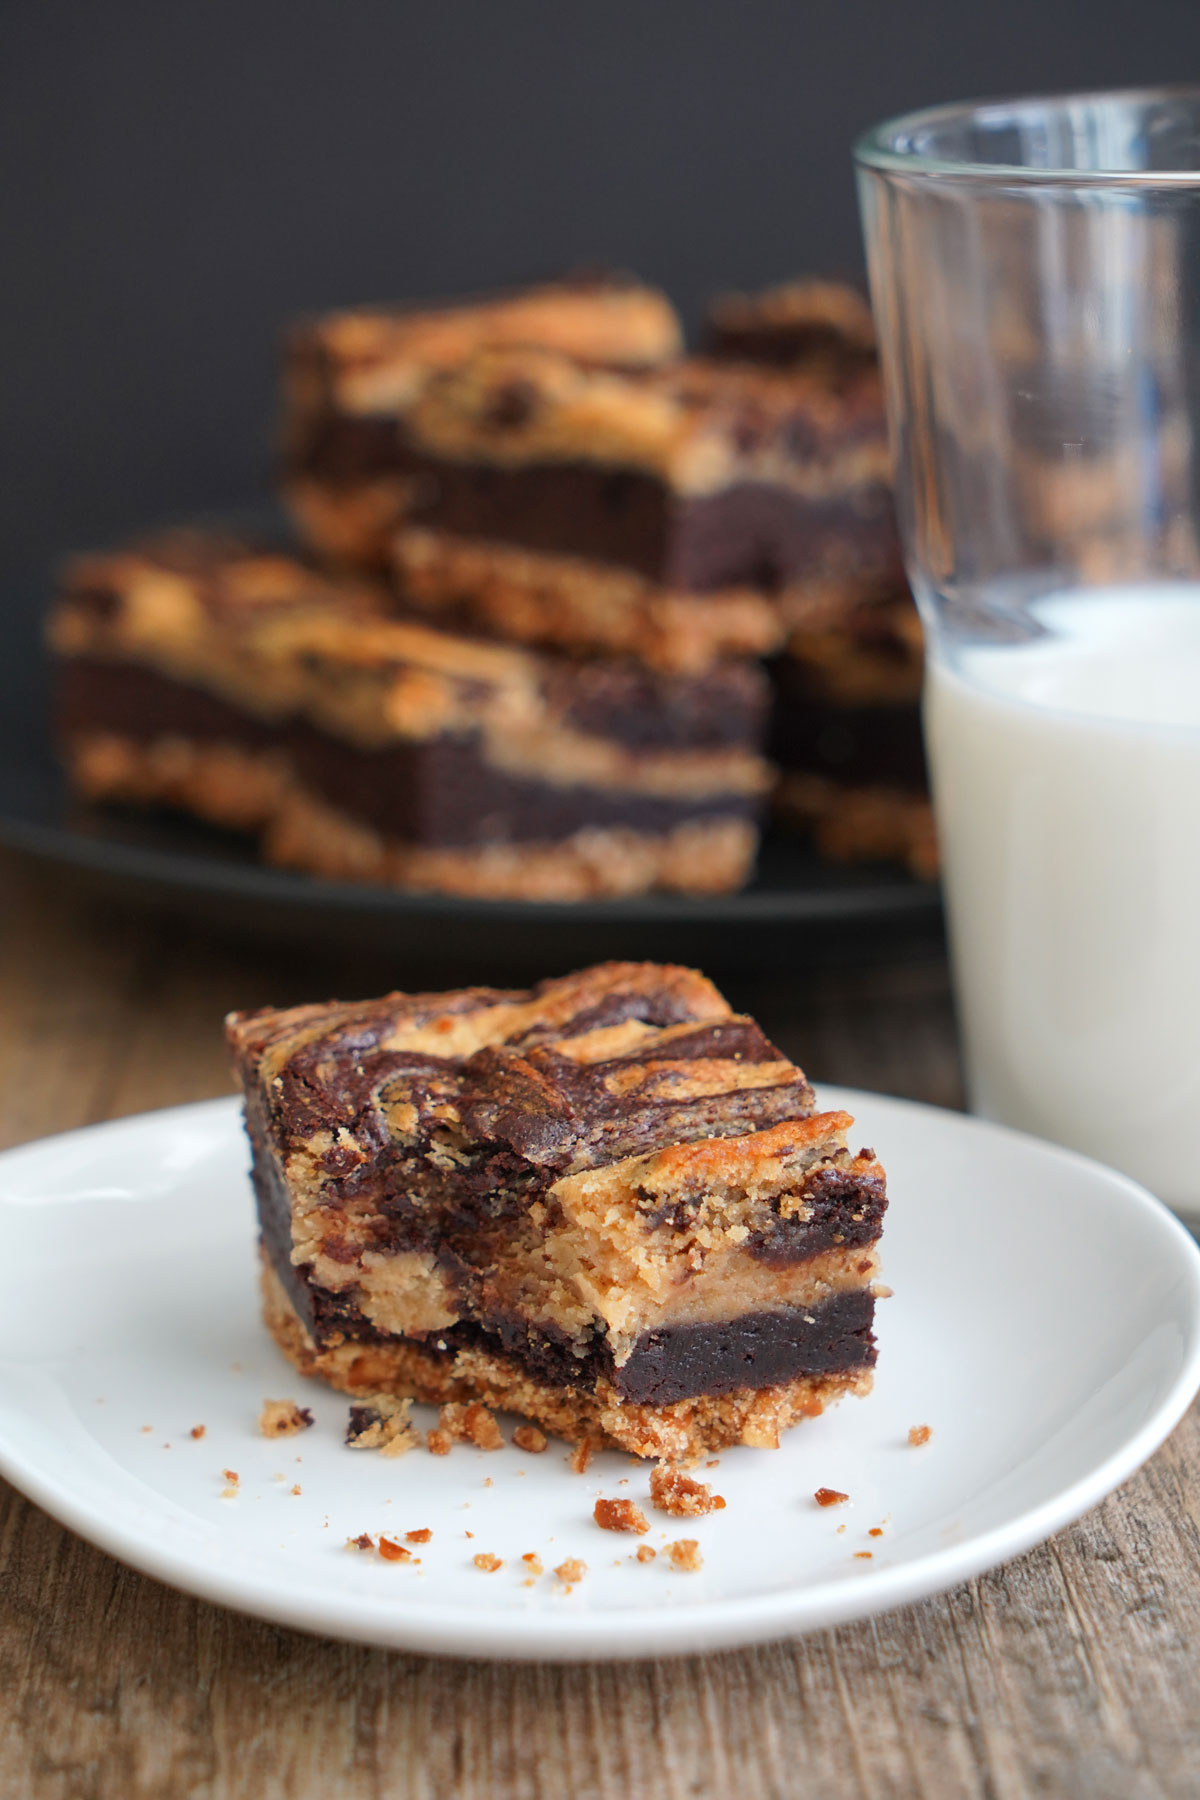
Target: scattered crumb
<point>296,1488</point>
<point>571,1570</point>
<point>438,1442</point>
<point>671,1491</point>
<point>528,1437</point>
<point>714,1462</point>
<point>863,1555</point>
<point>362,1542</point>
<point>875,1531</point>
<point>146,1428</point>
<point>283,1418</point>
<point>421,1536</point>
<point>487,1481</point>
<point>166,1446</point>
<point>619,1515</point>
<point>469,1422</point>
<point>919,1434</point>
<point>881,1290</point>
<point>487,1562</point>
<point>646,1553</point>
<point>229,1493</point>
<point>685,1554</point>
<point>232,1476</point>
<point>382,1424</point>
<point>830,1497</point>
<point>468,1534</point>
<point>197,1431</point>
<point>581,1456</point>
<point>533,1562</point>
<point>840,1530</point>
<point>393,1552</point>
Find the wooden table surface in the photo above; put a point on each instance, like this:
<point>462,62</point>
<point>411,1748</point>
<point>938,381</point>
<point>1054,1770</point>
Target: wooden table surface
<point>1073,1671</point>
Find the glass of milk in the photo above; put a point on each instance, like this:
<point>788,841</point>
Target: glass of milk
<point>1035,271</point>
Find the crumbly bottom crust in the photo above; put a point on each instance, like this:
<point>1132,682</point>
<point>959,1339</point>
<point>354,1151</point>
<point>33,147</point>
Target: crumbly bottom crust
<point>703,856</point>
<point>224,783</point>
<point>861,824</point>
<point>681,1432</point>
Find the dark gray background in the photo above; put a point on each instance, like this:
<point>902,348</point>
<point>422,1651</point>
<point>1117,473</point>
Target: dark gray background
<point>177,178</point>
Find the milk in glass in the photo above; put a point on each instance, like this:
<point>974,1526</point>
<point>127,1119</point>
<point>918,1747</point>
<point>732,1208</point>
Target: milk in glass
<point>1067,784</point>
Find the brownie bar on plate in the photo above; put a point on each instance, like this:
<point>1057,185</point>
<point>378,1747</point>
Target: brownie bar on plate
<point>607,1203</point>
<point>846,727</point>
<point>175,673</point>
<point>681,504</point>
<point>247,689</point>
<point>436,761</point>
<point>350,379</point>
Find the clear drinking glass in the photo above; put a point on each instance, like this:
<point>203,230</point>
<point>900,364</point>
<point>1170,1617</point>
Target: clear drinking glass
<point>1035,272</point>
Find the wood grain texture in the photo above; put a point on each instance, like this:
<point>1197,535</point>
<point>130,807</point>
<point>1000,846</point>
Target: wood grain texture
<point>1071,1672</point>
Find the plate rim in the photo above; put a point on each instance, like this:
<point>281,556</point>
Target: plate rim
<point>709,1625</point>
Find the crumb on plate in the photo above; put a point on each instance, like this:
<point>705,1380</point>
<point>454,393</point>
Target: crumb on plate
<point>646,1553</point>
<point>619,1515</point>
<point>487,1562</point>
<point>830,1497</point>
<point>382,1423</point>
<point>283,1418</point>
<point>919,1434</point>
<point>571,1570</point>
<point>685,1554</point>
<point>528,1437</point>
<point>671,1491</point>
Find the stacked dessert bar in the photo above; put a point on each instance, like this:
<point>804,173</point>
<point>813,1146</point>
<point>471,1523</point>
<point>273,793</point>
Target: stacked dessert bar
<point>846,727</point>
<point>521,651</point>
<point>607,1203</point>
<point>260,694</point>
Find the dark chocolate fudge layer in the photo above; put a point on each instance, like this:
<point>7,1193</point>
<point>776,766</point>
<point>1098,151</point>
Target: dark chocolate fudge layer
<point>606,1202</point>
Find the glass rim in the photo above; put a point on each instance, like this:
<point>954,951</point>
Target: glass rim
<point>875,148</point>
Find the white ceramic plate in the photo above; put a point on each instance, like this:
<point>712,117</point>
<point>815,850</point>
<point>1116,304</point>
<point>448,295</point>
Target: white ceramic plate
<point>1045,1325</point>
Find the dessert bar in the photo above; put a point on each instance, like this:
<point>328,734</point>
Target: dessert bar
<point>846,728</point>
<point>246,689</point>
<point>175,672</point>
<point>697,480</point>
<point>428,760</point>
<point>350,379</point>
<point>607,1203</point>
